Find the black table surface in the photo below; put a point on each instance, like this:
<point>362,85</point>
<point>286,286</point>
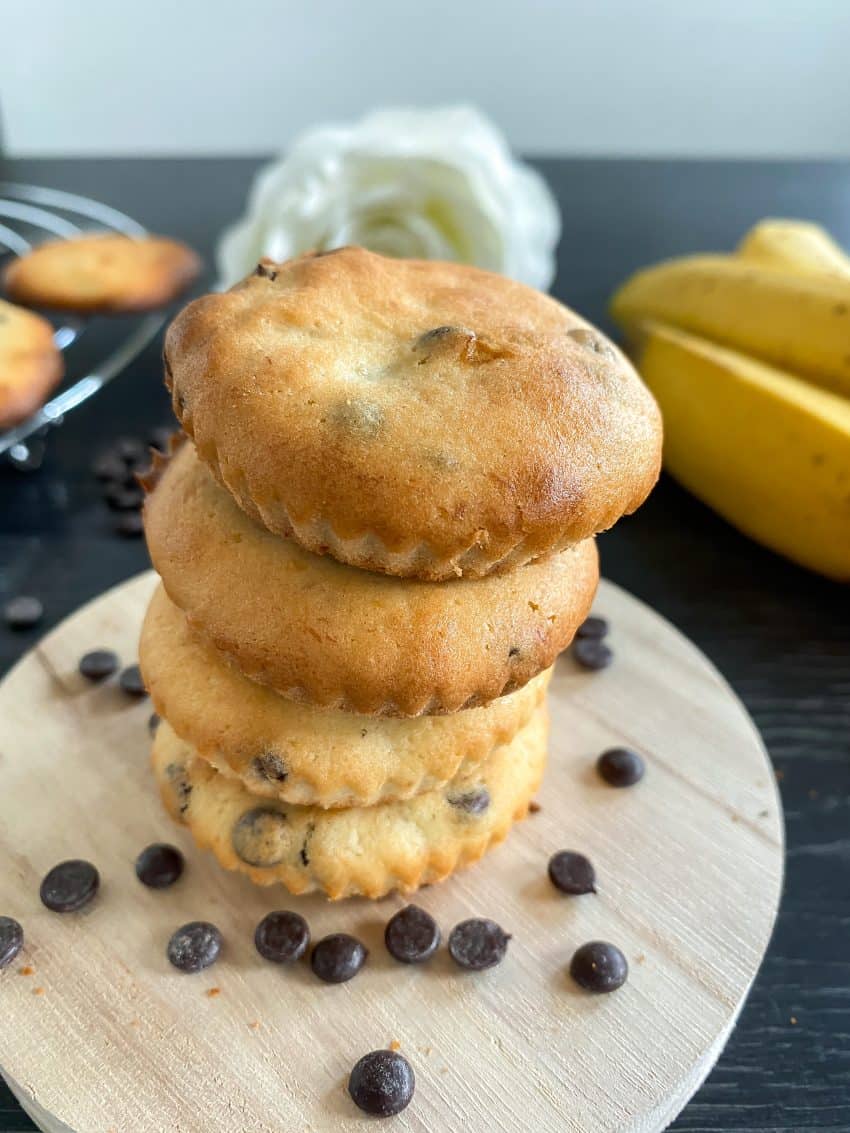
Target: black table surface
<point>779,634</point>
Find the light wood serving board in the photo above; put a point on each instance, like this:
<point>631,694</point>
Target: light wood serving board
<point>102,1036</point>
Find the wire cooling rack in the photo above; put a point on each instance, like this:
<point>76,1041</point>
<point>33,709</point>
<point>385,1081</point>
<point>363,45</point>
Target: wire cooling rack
<point>29,215</point>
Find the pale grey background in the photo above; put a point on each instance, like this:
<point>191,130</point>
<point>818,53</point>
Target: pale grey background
<point>658,77</point>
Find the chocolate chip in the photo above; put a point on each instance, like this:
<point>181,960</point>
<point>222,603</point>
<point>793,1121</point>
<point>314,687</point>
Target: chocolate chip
<point>69,886</point>
<point>159,865</point>
<point>620,767</point>
<point>124,497</point>
<point>11,940</point>
<point>599,967</point>
<point>259,837</point>
<point>181,786</point>
<point>153,723</point>
<point>265,270</point>
<point>473,802</point>
<point>592,340</point>
<point>131,681</point>
<point>270,766</point>
<point>412,935</point>
<point>303,853</point>
<point>382,1083</point>
<point>437,333</point>
<point>282,937</point>
<point>23,612</point>
<point>478,944</point>
<point>593,627</point>
<point>572,873</point>
<point>99,664</point>
<point>592,653</point>
<point>513,651</point>
<point>129,524</point>
<point>194,946</point>
<point>338,958</point>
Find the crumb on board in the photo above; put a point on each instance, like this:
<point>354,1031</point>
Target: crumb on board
<point>254,1024</point>
<point>735,816</point>
<point>212,992</point>
<point>38,991</point>
<point>26,970</point>
<point>640,958</point>
<point>534,807</point>
<point>135,1022</point>
<point>395,1045</point>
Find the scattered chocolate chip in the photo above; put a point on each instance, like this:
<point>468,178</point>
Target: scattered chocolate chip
<point>194,946</point>
<point>270,766</point>
<point>572,873</point>
<point>69,886</point>
<point>258,837</point>
<point>129,524</point>
<point>109,466</point>
<point>592,653</point>
<point>478,944</point>
<point>412,935</point>
<point>153,723</point>
<point>593,627</point>
<point>620,767</point>
<point>11,940</point>
<point>472,802</point>
<point>159,865</point>
<point>131,681</point>
<point>593,341</point>
<point>599,967</point>
<point>99,664</point>
<point>282,937</point>
<point>124,497</point>
<point>382,1083</point>
<point>23,612</point>
<point>338,958</point>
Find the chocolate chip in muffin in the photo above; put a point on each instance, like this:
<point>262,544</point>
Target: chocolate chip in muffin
<point>23,612</point>
<point>438,333</point>
<point>473,802</point>
<point>412,935</point>
<point>180,785</point>
<point>258,837</point>
<point>338,958</point>
<point>265,270</point>
<point>382,1083</point>
<point>592,653</point>
<point>98,664</point>
<point>159,865</point>
<point>304,852</point>
<point>592,340</point>
<point>69,886</point>
<point>572,873</point>
<point>11,940</point>
<point>131,681</point>
<point>593,626</point>
<point>477,944</point>
<point>153,723</point>
<point>620,767</point>
<point>194,946</point>
<point>599,966</point>
<point>282,937</point>
<point>514,651</point>
<point>269,766</point>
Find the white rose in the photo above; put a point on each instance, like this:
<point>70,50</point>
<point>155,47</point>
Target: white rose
<point>424,184</point>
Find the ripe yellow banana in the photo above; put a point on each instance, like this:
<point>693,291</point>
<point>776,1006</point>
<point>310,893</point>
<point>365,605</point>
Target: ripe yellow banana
<point>796,246</point>
<point>769,452</point>
<point>797,322</point>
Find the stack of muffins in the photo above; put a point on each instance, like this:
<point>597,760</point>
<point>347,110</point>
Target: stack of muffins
<point>372,551</point>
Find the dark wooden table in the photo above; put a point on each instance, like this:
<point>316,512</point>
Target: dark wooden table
<point>781,636</point>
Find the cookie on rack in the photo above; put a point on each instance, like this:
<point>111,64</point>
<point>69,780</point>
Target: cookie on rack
<point>298,754</point>
<point>367,851</point>
<point>30,363</point>
<point>102,273</point>
<point>338,637</point>
<point>416,418</point>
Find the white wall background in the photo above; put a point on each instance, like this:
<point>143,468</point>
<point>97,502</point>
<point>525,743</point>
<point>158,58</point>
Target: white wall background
<point>733,77</point>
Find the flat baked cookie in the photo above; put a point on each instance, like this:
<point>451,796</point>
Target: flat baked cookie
<point>337,637</point>
<point>366,851</point>
<point>417,418</point>
<point>297,754</point>
<point>102,273</point>
<point>30,363</point>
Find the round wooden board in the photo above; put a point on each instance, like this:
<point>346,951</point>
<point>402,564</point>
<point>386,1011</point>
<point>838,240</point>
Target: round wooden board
<point>100,1035</point>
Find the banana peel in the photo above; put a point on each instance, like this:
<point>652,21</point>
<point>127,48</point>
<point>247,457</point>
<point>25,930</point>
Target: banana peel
<point>795,321</point>
<point>765,449</point>
<point>796,246</point>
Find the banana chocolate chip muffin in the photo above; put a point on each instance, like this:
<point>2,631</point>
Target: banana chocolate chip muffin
<point>415,418</point>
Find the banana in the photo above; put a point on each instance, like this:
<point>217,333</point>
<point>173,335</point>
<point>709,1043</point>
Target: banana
<point>796,246</point>
<point>799,323</point>
<point>768,451</point>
